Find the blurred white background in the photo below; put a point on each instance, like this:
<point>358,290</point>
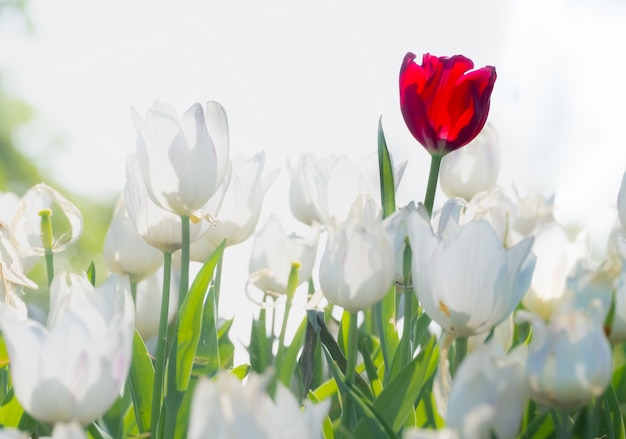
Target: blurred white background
<point>316,76</point>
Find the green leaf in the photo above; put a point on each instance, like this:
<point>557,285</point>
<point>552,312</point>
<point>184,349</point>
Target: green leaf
<point>241,371</point>
<point>307,359</point>
<point>290,357</point>
<point>141,379</point>
<point>379,428</point>
<point>91,273</point>
<point>385,172</point>
<point>190,319</point>
<point>260,348</point>
<point>541,427</point>
<point>319,325</point>
<point>396,401</point>
<point>208,357</point>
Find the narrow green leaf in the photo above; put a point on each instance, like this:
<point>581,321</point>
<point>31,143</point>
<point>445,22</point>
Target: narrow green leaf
<point>307,359</point>
<point>208,354</point>
<point>260,348</point>
<point>141,378</point>
<point>190,319</point>
<point>319,325</point>
<point>290,357</point>
<point>379,428</point>
<point>385,170</point>
<point>241,371</point>
<point>91,273</point>
<point>396,401</point>
<point>540,427</point>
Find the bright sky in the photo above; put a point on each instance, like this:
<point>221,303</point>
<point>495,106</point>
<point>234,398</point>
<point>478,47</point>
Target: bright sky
<point>315,76</point>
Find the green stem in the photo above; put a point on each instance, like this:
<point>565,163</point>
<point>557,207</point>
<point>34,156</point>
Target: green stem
<point>184,261</point>
<point>217,280</point>
<point>292,284</point>
<point>47,238</point>
<point>433,176</point>
<point>405,343</point>
<point>351,354</point>
<point>460,351</point>
<point>159,368</point>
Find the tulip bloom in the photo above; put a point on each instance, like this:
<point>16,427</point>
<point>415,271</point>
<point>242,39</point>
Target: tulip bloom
<point>73,370</point>
<point>569,361</point>
<point>444,104</point>
<point>125,251</point>
<point>182,160</point>
<point>467,296</point>
<point>224,408</point>
<point>357,267</point>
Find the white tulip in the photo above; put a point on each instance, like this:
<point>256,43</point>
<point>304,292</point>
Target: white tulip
<point>489,393</point>
<point>357,268</point>
<point>73,370</point>
<point>125,251</point>
<point>226,409</point>
<point>160,228</point>
<point>557,256</point>
<point>148,303</point>
<point>273,253</point>
<point>240,208</point>
<point>621,202</point>
<point>473,168</point>
<point>464,278</point>
<point>569,359</point>
<point>182,160</point>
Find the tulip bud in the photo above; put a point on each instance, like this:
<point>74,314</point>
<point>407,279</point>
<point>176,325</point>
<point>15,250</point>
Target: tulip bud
<point>124,251</point>
<point>467,171</point>
<point>357,267</point>
<point>569,361</point>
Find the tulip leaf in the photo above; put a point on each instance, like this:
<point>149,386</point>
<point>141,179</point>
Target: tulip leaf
<point>91,273</point>
<point>396,402</point>
<point>241,371</point>
<point>307,359</point>
<point>378,425</point>
<point>190,319</point>
<point>290,357</point>
<point>386,175</point>
<point>4,354</point>
<point>208,353</point>
<point>540,427</point>
<point>141,378</point>
<point>260,348</point>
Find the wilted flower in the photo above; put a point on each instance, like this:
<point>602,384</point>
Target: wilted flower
<point>182,160</point>
<point>158,227</point>
<point>125,251</point>
<point>473,169</point>
<point>226,409</point>
<point>239,213</point>
<point>273,253</point>
<point>26,225</point>
<point>357,268</point>
<point>569,359</point>
<point>74,369</point>
<point>467,296</point>
<point>444,104</point>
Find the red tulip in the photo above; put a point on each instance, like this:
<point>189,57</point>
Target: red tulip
<point>444,104</point>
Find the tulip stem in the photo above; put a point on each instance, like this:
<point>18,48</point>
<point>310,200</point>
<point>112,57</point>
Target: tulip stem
<point>159,368</point>
<point>433,176</point>
<point>460,351</point>
<point>405,342</point>
<point>184,261</point>
<point>292,283</point>
<point>353,340</point>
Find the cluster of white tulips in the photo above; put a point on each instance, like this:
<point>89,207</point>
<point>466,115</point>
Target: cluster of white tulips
<point>485,318</point>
